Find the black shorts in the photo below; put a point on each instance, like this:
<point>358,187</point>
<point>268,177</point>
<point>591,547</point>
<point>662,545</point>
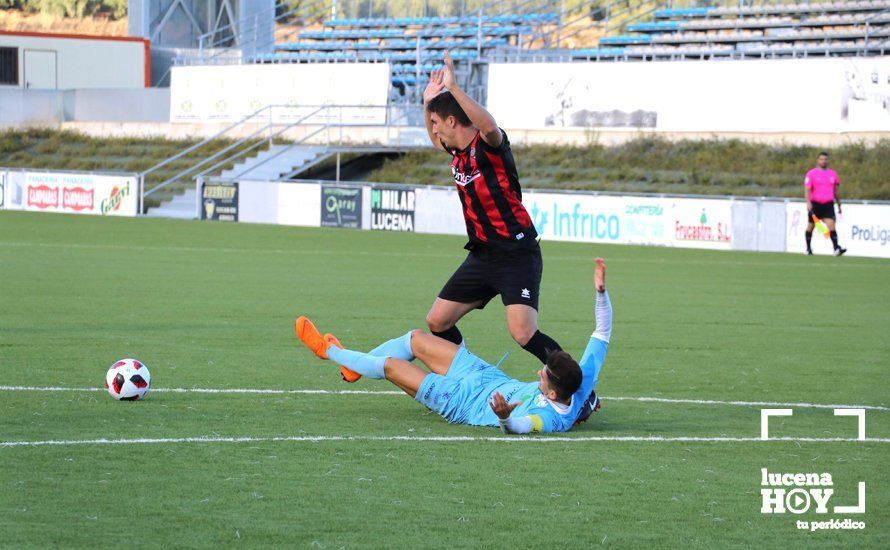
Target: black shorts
<point>822,210</point>
<point>514,274</point>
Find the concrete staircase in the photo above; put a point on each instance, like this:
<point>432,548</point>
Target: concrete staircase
<point>181,207</point>
<point>277,161</point>
<point>269,165</point>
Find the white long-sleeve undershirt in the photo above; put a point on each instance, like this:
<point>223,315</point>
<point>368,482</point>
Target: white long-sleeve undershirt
<point>513,425</point>
<point>603,314</point>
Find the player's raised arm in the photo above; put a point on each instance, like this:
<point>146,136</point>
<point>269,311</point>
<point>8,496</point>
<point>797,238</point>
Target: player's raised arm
<point>433,88</point>
<point>477,114</point>
<point>595,354</point>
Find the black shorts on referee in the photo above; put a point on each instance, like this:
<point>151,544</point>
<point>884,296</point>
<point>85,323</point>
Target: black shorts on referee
<point>822,210</point>
<point>515,274</point>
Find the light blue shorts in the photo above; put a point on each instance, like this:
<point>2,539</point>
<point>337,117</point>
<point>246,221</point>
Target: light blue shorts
<point>456,395</point>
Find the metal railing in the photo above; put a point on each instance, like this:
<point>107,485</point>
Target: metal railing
<point>617,20</point>
<point>868,25</point>
<point>260,116</point>
<point>265,125</point>
<point>305,11</point>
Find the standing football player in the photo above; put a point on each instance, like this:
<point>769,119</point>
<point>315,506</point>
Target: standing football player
<point>820,192</point>
<point>504,256</point>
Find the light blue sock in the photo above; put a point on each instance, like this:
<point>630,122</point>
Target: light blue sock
<point>362,363</point>
<point>397,348</point>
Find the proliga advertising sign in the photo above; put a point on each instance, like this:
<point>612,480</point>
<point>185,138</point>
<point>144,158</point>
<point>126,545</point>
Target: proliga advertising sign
<point>863,229</point>
<point>73,193</point>
<point>341,206</point>
<point>392,209</point>
<point>220,202</point>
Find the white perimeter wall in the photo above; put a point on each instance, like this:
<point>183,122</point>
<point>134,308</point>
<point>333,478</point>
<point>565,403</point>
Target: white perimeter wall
<point>784,95</point>
<point>230,93</point>
<point>718,224</point>
<point>682,222</point>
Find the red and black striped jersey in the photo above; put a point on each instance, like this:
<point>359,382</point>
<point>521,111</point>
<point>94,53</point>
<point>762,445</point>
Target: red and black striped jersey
<point>488,186</point>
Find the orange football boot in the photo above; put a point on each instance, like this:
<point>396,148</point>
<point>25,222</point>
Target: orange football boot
<point>310,336</point>
<point>347,374</point>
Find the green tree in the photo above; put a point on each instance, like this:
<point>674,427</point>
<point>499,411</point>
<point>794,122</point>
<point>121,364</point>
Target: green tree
<point>117,8</point>
<point>69,8</point>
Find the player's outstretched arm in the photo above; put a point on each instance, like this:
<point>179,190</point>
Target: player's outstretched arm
<point>433,88</point>
<point>477,114</point>
<point>595,352</point>
<point>603,309</point>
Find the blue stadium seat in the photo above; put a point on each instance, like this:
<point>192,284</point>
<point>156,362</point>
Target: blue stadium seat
<point>625,39</point>
<point>672,13</point>
<point>597,52</point>
<point>654,26</point>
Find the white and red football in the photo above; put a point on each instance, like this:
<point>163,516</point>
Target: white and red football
<point>128,380</point>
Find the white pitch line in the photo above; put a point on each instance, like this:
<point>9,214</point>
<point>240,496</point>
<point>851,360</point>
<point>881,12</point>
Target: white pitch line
<point>444,439</point>
<point>296,252</point>
<point>397,392</point>
<point>745,403</point>
<point>212,390</point>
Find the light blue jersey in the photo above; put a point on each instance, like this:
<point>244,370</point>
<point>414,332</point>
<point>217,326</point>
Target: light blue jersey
<point>463,393</point>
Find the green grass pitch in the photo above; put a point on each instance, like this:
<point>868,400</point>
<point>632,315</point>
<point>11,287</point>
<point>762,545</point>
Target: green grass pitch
<point>209,305</point>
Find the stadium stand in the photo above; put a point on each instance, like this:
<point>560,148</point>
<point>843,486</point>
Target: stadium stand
<point>412,44</point>
<point>538,30</point>
<point>767,30</point>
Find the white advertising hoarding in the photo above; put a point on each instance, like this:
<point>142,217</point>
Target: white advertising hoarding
<point>863,229</point>
<point>688,223</point>
<point>72,193</point>
<point>438,211</point>
<point>232,92</point>
<point>701,223</point>
<point>2,189</point>
<point>796,95</point>
<point>599,218</point>
<point>299,204</point>
<point>576,217</point>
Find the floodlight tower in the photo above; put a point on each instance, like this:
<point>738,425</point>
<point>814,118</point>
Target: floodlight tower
<point>195,27</point>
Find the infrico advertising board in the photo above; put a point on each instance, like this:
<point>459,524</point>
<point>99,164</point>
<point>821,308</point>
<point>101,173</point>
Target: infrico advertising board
<point>72,193</point>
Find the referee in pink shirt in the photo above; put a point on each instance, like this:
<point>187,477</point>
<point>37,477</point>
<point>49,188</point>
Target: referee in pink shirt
<point>820,191</point>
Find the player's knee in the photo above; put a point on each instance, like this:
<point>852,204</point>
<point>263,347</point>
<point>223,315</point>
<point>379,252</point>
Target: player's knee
<point>416,342</point>
<point>436,323</point>
<point>522,332</point>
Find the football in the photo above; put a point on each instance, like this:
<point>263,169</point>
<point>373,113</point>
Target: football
<point>128,380</point>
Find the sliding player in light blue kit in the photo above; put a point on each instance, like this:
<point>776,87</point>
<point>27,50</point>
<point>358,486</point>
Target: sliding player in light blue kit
<point>465,389</point>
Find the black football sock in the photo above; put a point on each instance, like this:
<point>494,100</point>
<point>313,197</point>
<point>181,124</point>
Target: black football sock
<point>834,239</point>
<point>452,335</point>
<point>540,345</point>
<point>809,237</point>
